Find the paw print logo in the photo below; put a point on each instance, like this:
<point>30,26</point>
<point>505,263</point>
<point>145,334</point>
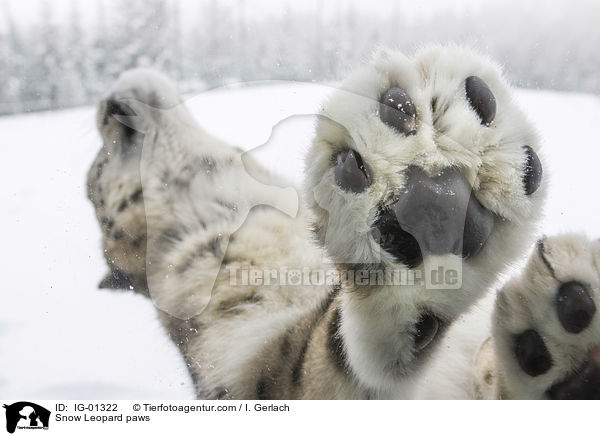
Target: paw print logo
<point>294,277</point>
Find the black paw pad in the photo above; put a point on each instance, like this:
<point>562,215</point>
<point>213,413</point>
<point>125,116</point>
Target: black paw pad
<point>116,107</point>
<point>398,111</point>
<point>351,173</point>
<point>575,307</point>
<point>481,98</point>
<point>388,233</point>
<point>116,279</point>
<point>583,384</point>
<point>532,173</point>
<point>532,354</point>
<point>426,331</point>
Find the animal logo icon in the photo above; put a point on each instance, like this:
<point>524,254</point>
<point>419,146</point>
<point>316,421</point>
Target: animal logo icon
<point>27,415</point>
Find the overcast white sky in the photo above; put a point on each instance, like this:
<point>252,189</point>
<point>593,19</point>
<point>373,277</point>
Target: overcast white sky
<point>29,11</point>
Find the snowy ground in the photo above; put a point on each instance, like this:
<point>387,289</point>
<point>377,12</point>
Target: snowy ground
<point>61,337</point>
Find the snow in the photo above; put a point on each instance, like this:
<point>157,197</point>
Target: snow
<point>62,338</point>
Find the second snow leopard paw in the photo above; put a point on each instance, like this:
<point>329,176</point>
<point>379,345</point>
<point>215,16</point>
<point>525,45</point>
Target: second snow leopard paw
<point>114,179</point>
<point>546,330</point>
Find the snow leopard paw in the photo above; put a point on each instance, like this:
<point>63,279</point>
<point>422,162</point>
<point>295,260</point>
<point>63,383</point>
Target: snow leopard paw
<point>422,167</point>
<point>113,181</point>
<point>545,327</point>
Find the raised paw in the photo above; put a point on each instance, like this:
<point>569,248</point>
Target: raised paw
<point>420,165</point>
<point>546,331</point>
<point>113,181</point>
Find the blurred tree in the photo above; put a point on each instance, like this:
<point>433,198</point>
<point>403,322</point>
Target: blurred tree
<point>42,66</point>
<point>48,66</point>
